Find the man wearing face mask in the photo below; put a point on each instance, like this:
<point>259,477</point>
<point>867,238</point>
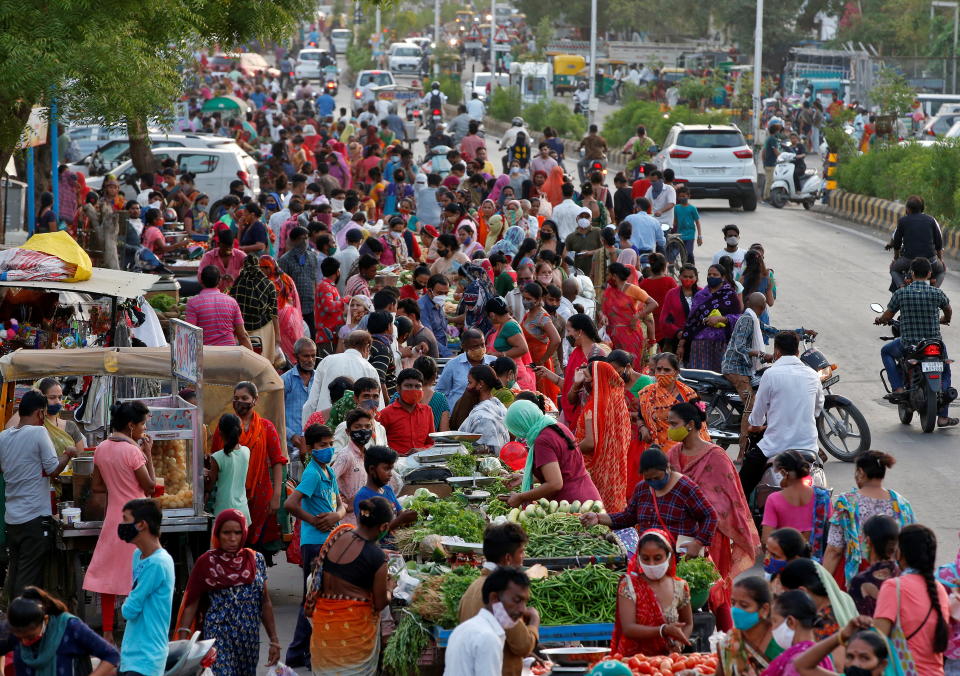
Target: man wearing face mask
<point>503,547</point>
<point>301,263</point>
<point>296,388</point>
<point>476,646</point>
<point>731,235</point>
<point>28,461</point>
<point>453,380</point>
<point>352,363</point>
<point>663,197</point>
<point>408,422</point>
<point>431,305</point>
<point>584,240</point>
<point>646,235</point>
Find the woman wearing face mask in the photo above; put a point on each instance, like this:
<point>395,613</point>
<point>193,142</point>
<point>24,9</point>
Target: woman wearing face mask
<point>584,341</point>
<point>866,652</point>
<point>351,571</point>
<point>713,312</point>
<point>467,236</point>
<point>625,306</point>
<point>653,605</point>
<point>123,470</point>
<point>46,639</point>
<point>489,223</point>
<point>541,336</point>
<point>486,417</point>
<point>794,619</point>
<point>632,385</point>
<point>846,543</point>
<point>348,459</point>
<point>881,532</point>
<point>602,434</point>
<point>289,313</point>
<point>477,292</point>
<point>227,599</point>
<point>548,238</point>
<point>799,504</point>
<point>196,221</point>
<point>656,401</point>
<point>749,647</point>
<point>265,472</point>
<point>782,547</point>
<point>834,608</point>
<point>394,248</point>
<point>358,308</point>
<point>506,340</point>
<point>546,275</point>
<point>63,433</point>
<point>676,308</point>
<point>664,499</point>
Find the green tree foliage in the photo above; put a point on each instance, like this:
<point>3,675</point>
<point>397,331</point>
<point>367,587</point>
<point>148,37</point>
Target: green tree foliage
<point>899,27</point>
<point>557,115</point>
<point>505,103</point>
<point>623,124</point>
<point>542,35</point>
<point>892,93</point>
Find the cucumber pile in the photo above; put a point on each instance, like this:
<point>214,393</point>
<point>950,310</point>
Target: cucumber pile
<point>544,507</point>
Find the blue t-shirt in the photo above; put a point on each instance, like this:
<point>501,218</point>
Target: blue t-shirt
<point>687,217</point>
<point>319,489</point>
<point>257,232</point>
<point>365,493</point>
<point>147,612</point>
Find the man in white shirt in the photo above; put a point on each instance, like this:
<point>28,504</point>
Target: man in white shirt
<point>352,363</point>
<point>565,214</point>
<point>662,197</point>
<point>788,402</point>
<point>475,108</point>
<point>646,235</point>
<point>347,256</point>
<point>476,646</point>
<point>731,235</point>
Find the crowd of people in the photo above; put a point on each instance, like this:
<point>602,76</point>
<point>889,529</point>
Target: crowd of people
<point>532,308</point>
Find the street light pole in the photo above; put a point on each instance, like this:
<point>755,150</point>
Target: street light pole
<point>593,58</point>
<point>493,26</point>
<point>955,6</point>
<point>757,66</point>
<point>436,36</point>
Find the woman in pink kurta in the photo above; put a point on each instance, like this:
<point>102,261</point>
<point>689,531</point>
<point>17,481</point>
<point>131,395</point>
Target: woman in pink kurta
<point>123,469</point>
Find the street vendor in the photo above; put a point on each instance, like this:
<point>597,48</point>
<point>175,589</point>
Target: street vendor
<point>65,434</point>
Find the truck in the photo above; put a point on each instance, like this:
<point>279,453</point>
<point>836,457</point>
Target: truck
<point>534,79</point>
<point>847,73</point>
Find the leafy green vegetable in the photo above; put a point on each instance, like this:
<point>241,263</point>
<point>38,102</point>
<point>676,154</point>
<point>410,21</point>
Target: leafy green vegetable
<point>462,464</point>
<point>453,587</point>
<point>700,573</point>
<point>576,596</point>
<point>405,646</point>
<point>163,302</point>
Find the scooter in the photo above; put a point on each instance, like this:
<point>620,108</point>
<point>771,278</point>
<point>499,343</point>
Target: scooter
<point>190,658</point>
<point>841,428</point>
<point>783,189</point>
<point>922,367</point>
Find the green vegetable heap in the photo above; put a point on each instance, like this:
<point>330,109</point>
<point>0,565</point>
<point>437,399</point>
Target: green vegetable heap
<point>576,596</point>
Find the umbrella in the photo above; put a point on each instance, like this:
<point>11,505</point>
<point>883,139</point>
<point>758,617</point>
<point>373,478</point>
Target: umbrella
<point>226,103</point>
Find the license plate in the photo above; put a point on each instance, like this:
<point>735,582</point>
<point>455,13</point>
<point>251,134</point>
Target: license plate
<point>931,366</point>
<point>832,380</point>
<point>711,171</point>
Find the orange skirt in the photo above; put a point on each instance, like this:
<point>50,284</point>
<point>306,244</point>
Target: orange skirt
<point>345,639</point>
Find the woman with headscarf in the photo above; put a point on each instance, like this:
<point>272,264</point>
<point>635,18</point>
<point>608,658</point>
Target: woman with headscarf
<point>358,308</point>
<point>487,414</point>
<point>339,169</point>
<point>654,616</point>
<point>657,399</point>
<point>713,312</point>
<point>542,336</point>
<point>227,599</point>
<point>467,236</point>
<point>553,458</point>
<point>510,244</point>
<point>552,188</point>
<point>625,306</point>
<point>289,313</point>
<point>512,215</point>
<point>478,290</point>
<point>498,185</point>
<point>265,470</point>
<point>257,297</point>
<point>489,224</point>
<point>603,434</point>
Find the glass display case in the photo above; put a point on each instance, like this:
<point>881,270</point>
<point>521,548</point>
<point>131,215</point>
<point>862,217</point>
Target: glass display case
<point>174,426</point>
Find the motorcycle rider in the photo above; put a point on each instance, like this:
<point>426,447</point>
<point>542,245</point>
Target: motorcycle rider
<point>919,304</point>
<point>799,149</point>
<point>581,99</point>
<point>434,100</point>
<point>918,235</point>
<point>459,125</point>
<point>787,403</point>
<point>594,148</point>
<point>510,136</point>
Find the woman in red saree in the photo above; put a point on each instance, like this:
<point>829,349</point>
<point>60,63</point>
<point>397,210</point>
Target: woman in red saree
<point>653,605</point>
<point>582,335</point>
<point>623,362</point>
<point>736,543</point>
<point>290,316</point>
<point>542,337</point>
<point>265,471</point>
<point>604,436</point>
<point>552,186</point>
<point>624,308</point>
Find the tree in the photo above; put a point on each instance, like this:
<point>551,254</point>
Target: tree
<point>892,93</point>
<point>542,35</point>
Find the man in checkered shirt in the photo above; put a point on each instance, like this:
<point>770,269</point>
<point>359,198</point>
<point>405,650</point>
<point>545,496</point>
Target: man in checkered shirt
<point>919,305</point>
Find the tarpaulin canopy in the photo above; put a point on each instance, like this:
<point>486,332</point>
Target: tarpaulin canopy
<point>103,281</point>
<point>228,102</point>
<point>223,368</point>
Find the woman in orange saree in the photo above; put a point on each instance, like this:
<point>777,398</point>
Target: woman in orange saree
<point>542,336</point>
<point>656,400</point>
<point>289,314</point>
<point>603,435</point>
<point>736,543</point>
<point>625,306</point>
<point>264,472</point>
<point>552,186</point>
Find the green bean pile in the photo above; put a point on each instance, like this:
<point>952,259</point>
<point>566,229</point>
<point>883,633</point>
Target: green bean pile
<point>576,596</point>
<point>553,546</point>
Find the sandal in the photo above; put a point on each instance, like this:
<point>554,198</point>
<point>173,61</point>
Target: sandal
<point>950,422</point>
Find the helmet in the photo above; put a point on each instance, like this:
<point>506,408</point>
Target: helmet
<point>170,215</point>
<point>611,668</point>
<point>581,85</point>
<point>773,121</point>
<point>517,121</point>
<point>435,85</point>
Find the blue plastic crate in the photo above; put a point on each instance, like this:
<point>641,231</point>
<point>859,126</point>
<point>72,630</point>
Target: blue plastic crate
<point>566,633</point>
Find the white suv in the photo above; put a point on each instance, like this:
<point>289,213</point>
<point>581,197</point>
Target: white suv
<point>404,56</point>
<point>713,161</point>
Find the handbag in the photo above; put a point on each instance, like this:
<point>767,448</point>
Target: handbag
<point>900,661</point>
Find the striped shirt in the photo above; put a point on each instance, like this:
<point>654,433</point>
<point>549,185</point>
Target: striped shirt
<point>217,314</point>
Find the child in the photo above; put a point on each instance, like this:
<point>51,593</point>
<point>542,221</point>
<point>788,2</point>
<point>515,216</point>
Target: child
<point>379,461</point>
<point>147,608</point>
<point>686,221</point>
<point>316,502</point>
<point>228,469</point>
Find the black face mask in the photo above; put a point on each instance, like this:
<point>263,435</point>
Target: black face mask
<point>550,308</point>
<point>546,236</point>
<point>361,437</point>
<point>127,531</point>
<point>856,671</point>
<point>572,341</point>
<point>442,253</point>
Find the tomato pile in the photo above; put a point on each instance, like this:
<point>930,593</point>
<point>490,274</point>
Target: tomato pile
<point>659,665</point>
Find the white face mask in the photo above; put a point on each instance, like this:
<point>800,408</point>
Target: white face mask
<point>732,241</point>
<point>503,617</point>
<point>656,572</point>
<point>439,300</point>
<point>583,223</point>
<point>336,206</point>
<point>783,635</point>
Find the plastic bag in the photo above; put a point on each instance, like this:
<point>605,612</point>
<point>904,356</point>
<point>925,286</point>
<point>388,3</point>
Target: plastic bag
<point>281,669</point>
<point>64,247</point>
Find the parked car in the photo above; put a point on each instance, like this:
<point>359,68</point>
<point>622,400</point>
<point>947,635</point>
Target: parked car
<point>940,124</point>
<point>89,137</point>
<point>404,57</point>
<point>713,161</point>
<point>115,152</point>
<point>215,168</point>
<point>340,37</point>
<point>421,42</point>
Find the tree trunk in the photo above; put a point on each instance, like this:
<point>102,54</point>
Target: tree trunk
<point>140,152</point>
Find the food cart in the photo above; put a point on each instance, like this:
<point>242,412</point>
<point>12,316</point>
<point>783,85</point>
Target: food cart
<point>177,427</point>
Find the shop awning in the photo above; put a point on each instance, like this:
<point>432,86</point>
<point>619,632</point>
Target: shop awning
<point>104,282</point>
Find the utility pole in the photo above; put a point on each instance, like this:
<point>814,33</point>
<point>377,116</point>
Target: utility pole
<point>493,30</point>
<point>436,37</point>
<point>593,60</point>
<point>757,64</point>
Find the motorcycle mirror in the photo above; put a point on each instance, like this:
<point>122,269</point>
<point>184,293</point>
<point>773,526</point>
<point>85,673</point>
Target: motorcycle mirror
<point>876,307</point>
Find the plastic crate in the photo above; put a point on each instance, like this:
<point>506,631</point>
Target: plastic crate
<point>552,635</point>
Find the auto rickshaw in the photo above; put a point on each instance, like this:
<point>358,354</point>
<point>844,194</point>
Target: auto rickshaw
<point>567,71</point>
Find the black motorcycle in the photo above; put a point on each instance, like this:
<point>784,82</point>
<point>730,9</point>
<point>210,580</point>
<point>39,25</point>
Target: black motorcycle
<point>922,368</point>
<point>841,428</point>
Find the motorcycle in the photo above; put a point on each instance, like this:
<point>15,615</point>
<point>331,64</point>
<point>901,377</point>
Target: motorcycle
<point>841,428</point>
<point>330,85</point>
<point>190,658</point>
<point>783,189</point>
<point>434,118</point>
<point>922,367</point>
<point>581,103</point>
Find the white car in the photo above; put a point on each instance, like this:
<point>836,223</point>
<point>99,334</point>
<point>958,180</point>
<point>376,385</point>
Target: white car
<point>113,153</point>
<point>712,161</point>
<point>480,82</point>
<point>340,37</point>
<point>215,168</point>
<point>310,62</point>
<point>378,78</point>
<point>421,42</point>
<point>404,57</point>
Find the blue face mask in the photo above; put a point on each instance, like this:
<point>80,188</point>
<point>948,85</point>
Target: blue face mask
<point>322,455</point>
<point>659,484</point>
<point>714,282</point>
<point>774,566</point>
<point>744,620</point>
